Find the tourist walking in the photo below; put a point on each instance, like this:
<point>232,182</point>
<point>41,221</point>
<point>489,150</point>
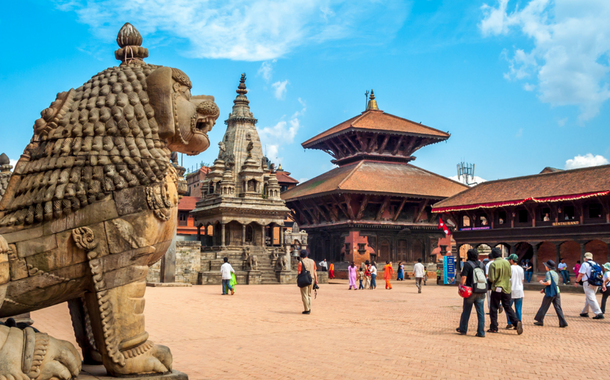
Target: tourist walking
<point>517,277</point>
<point>373,275</point>
<point>425,275</point>
<point>551,296</point>
<point>361,278</point>
<point>388,271</point>
<point>418,272</point>
<point>476,299</point>
<point>351,275</point>
<point>605,286</point>
<point>563,269</point>
<point>499,277</point>
<point>576,268</point>
<point>331,271</point>
<point>401,272</point>
<point>587,276</point>
<point>367,275</point>
<point>310,266</point>
<point>529,270</point>
<point>225,271</point>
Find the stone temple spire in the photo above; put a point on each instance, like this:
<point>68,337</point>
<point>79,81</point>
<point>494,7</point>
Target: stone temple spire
<point>241,107</point>
<point>372,103</point>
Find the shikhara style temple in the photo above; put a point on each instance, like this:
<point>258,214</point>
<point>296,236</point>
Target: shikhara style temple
<point>241,204</point>
<point>375,204</point>
<point>552,215</point>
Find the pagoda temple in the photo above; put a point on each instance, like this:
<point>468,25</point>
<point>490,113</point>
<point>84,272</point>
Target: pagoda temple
<point>375,204</point>
<point>241,203</point>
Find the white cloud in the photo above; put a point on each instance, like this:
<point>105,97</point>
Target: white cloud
<point>13,163</point>
<point>585,161</point>
<point>273,138</point>
<point>562,122</point>
<point>280,89</point>
<point>249,30</point>
<point>529,87</point>
<point>569,58</point>
<point>470,181</point>
<point>266,70</point>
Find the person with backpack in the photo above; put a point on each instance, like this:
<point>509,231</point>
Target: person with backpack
<point>306,265</point>
<point>517,278</point>
<point>551,296</point>
<point>499,277</point>
<point>473,276</point>
<point>591,277</point>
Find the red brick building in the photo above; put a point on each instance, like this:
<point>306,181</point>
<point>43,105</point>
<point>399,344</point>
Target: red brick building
<point>552,215</point>
<point>194,181</point>
<point>375,205</point>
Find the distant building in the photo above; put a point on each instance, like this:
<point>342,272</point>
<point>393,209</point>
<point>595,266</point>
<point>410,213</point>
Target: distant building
<point>552,215</point>
<point>194,181</point>
<point>375,205</point>
<point>285,180</point>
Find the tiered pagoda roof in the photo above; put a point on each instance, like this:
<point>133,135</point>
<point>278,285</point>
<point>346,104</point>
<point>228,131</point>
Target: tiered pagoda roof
<point>377,135</point>
<point>373,151</point>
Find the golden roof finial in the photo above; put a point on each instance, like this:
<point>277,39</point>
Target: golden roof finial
<point>279,169</point>
<point>372,103</point>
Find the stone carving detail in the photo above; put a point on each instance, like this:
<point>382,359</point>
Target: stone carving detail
<point>90,206</point>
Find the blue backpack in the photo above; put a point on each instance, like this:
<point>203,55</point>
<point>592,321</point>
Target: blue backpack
<point>597,277</point>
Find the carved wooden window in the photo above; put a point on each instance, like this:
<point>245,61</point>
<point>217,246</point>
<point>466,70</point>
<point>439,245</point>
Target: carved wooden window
<point>249,233</point>
<point>182,218</point>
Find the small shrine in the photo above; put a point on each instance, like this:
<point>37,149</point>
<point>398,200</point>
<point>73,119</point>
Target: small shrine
<point>242,205</point>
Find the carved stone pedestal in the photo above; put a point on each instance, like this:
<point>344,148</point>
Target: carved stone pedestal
<point>286,276</point>
<point>98,372</point>
<point>254,277</point>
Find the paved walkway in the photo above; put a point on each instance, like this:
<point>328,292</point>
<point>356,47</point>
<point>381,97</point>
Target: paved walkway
<point>260,333</point>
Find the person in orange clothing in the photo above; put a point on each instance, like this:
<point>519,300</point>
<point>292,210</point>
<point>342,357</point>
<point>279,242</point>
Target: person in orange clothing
<point>331,271</point>
<point>388,272</point>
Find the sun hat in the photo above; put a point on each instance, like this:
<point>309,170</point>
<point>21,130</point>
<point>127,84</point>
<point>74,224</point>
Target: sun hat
<point>589,256</point>
<point>550,264</point>
<point>513,257</point>
<point>606,266</point>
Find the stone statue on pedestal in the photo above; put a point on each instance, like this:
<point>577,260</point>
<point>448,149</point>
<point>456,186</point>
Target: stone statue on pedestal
<point>91,204</point>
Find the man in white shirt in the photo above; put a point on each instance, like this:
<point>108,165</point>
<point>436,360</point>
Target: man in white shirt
<point>591,301</point>
<point>516,287</point>
<point>373,276</point>
<point>418,272</point>
<point>225,270</point>
<point>324,265</point>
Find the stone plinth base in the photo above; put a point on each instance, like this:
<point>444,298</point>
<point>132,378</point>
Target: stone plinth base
<point>98,372</point>
<point>254,277</point>
<point>168,284</point>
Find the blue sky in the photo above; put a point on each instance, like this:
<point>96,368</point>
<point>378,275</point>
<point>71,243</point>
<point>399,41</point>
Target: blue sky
<point>520,85</point>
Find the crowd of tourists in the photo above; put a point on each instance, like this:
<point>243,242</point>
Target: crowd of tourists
<point>500,281</point>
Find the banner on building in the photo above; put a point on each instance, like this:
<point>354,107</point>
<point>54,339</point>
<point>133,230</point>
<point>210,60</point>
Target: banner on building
<point>449,270</point>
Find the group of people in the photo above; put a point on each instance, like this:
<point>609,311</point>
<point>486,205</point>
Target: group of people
<point>366,275</point>
<point>502,282</point>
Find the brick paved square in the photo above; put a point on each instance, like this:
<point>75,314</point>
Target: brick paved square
<point>260,333</point>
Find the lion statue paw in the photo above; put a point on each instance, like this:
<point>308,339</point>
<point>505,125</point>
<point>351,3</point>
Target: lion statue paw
<point>27,354</point>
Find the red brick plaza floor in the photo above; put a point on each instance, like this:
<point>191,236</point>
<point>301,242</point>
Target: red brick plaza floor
<point>260,333</point>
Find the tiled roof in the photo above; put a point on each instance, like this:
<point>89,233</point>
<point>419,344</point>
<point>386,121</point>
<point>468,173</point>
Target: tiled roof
<point>379,121</point>
<point>282,177</point>
<point>546,185</point>
<point>187,203</point>
<point>378,177</point>
<point>203,170</point>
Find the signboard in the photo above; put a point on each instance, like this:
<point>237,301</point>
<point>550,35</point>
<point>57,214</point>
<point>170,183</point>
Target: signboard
<point>448,270</point>
<point>569,223</point>
<point>475,228</point>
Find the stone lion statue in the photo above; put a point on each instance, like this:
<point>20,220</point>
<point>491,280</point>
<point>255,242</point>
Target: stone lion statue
<point>92,203</point>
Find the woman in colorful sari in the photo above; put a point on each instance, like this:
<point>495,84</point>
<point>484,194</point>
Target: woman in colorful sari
<point>388,271</point>
<point>351,275</point>
<point>331,271</point>
<point>401,272</point>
